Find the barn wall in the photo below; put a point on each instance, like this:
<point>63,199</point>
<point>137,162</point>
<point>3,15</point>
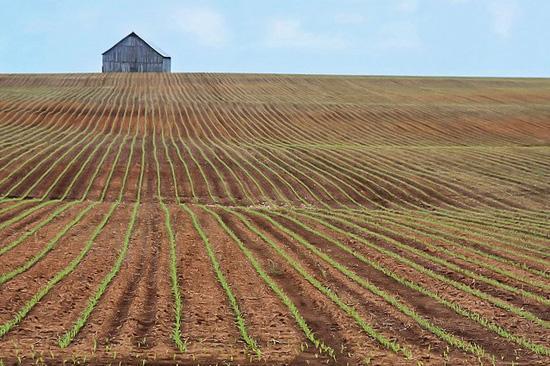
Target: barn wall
<point>133,55</point>
<point>166,64</point>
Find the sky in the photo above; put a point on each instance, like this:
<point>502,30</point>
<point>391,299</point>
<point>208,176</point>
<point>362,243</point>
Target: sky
<point>365,37</point>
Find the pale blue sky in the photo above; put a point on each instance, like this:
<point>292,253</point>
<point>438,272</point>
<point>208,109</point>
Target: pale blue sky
<point>372,37</point>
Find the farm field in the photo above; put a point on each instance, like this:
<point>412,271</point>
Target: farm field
<point>274,219</point>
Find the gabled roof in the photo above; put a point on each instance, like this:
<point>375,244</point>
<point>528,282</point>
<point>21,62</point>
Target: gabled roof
<point>156,49</point>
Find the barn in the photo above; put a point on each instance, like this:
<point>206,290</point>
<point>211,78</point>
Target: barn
<point>133,54</point>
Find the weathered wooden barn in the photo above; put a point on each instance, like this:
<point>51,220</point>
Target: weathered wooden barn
<point>133,54</point>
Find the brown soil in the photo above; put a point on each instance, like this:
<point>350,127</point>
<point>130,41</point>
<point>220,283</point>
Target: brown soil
<point>473,149</point>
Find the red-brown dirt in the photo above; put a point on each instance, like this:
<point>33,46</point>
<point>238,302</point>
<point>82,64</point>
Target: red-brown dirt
<point>296,220</point>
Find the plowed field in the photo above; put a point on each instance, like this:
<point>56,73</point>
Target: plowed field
<point>272,219</point>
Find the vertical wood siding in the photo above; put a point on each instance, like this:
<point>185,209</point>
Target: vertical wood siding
<point>134,55</point>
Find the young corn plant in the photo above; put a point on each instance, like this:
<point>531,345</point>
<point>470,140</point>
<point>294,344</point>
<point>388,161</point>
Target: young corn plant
<point>302,323</point>
<point>29,305</point>
<point>349,310</point>
<point>5,277</point>
<point>68,337</point>
<point>459,285</point>
<point>392,300</point>
<point>477,317</point>
<point>250,342</point>
<point>176,332</point>
<point>36,228</point>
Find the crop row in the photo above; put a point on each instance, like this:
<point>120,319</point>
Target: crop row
<point>248,154</point>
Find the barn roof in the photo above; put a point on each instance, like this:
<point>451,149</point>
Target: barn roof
<point>154,48</point>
